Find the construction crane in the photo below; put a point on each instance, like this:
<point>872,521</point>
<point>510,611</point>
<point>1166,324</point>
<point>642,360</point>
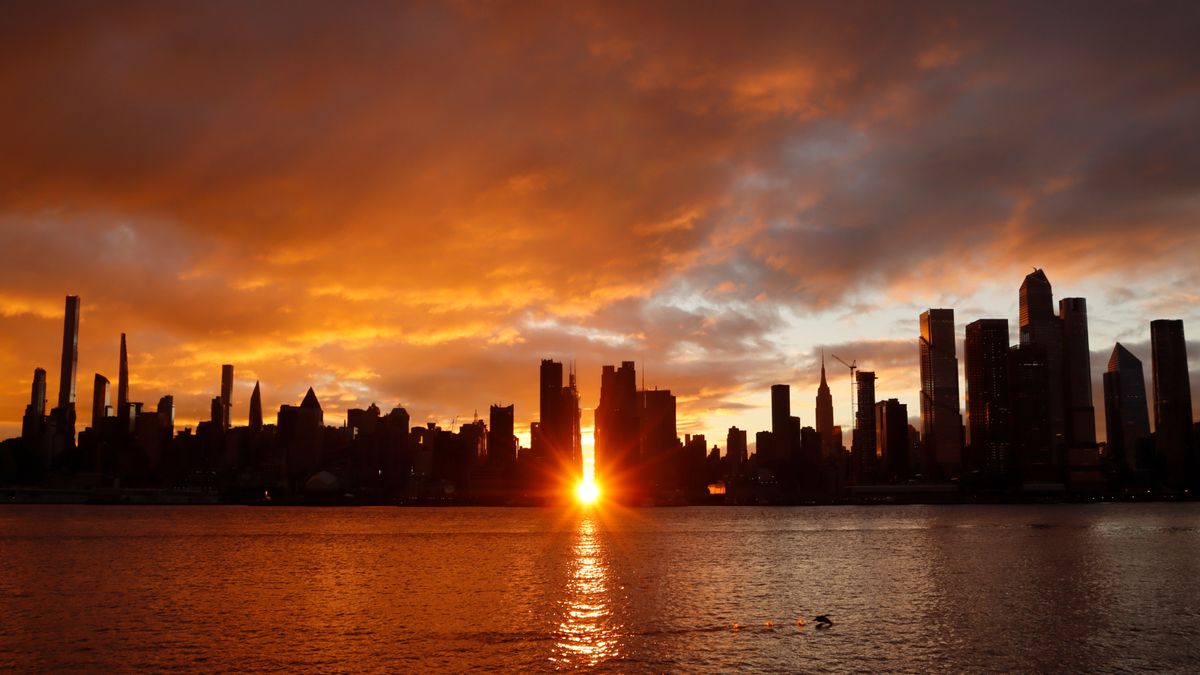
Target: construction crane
<point>853,366</point>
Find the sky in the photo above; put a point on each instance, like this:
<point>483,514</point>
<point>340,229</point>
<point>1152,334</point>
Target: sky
<point>413,203</point>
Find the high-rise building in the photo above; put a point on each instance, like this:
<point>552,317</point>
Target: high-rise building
<point>941,417</point>
<point>989,414</point>
<point>502,442</point>
<point>123,389</point>
<point>34,421</point>
<point>256,410</point>
<point>658,436</point>
<point>781,426</point>
<point>64,413</point>
<point>226,394</point>
<point>1172,401</point>
<point>825,413</point>
<point>1080,412</point>
<point>1032,438</point>
<point>735,448</point>
<point>101,404</point>
<point>166,414</point>
<point>617,431</point>
<point>891,439</point>
<point>1126,416</point>
<point>1040,326</point>
<point>863,444</point>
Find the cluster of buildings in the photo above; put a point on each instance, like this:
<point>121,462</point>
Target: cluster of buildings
<point>1029,430</point>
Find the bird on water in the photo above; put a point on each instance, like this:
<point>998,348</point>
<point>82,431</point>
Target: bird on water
<point>823,621</point>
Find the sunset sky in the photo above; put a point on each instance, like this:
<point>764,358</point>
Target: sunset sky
<point>411,204</point>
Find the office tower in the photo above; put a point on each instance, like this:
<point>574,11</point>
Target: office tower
<point>299,434</point>
<point>1040,326</point>
<point>64,413</point>
<point>781,426</point>
<point>123,389</point>
<point>891,439</point>
<point>1032,436</point>
<point>166,414</point>
<point>657,434</point>
<point>558,418</point>
<point>571,402</point>
<point>735,448</point>
<point>985,351</point>
<point>941,418</point>
<point>1080,412</point>
<point>1126,416</point>
<point>226,394</point>
<point>34,421</point>
<point>502,442</point>
<point>1172,401</point>
<point>216,414</point>
<point>617,452</point>
<point>101,404</point>
<point>256,415</point>
<point>825,413</point>
<point>864,427</point>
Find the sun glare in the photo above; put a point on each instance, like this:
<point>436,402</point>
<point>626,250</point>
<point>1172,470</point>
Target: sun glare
<point>587,492</point>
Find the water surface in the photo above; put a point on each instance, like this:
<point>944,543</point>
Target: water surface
<point>915,588</point>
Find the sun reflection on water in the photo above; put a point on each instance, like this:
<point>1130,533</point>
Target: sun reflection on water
<point>586,634</point>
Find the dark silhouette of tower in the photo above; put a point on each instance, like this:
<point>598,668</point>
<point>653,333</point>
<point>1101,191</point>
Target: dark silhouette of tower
<point>657,436</point>
<point>299,433</point>
<point>782,438</point>
<point>864,445</point>
<point>1040,326</point>
<point>1077,374</point>
<point>33,424</point>
<point>989,413</point>
<point>617,432</point>
<point>502,442</point>
<point>1033,440</point>
<point>256,414</point>
<point>735,449</point>
<point>891,439</point>
<point>226,395</point>
<point>101,404</point>
<point>941,417</point>
<point>1126,416</point>
<point>825,413</point>
<point>557,445</point>
<point>64,413</point>
<point>123,389</point>
<point>1172,402</point>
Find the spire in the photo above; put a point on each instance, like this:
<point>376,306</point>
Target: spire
<point>256,419</point>
<point>123,386</point>
<point>823,383</point>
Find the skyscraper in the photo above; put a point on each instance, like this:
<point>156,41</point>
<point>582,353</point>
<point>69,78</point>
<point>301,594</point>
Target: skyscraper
<point>1032,438</point>
<point>891,439</point>
<point>256,414</point>
<point>502,443</point>
<point>864,445</point>
<point>558,407</point>
<point>101,404</point>
<point>64,413</point>
<point>1080,412</point>
<point>617,453</point>
<point>226,394</point>
<point>1172,401</point>
<point>1040,326</point>
<point>1126,416</point>
<point>989,413</point>
<point>781,427</point>
<point>941,417</point>
<point>658,437</point>
<point>123,389</point>
<point>825,413</point>
<point>735,448</point>
<point>34,421</point>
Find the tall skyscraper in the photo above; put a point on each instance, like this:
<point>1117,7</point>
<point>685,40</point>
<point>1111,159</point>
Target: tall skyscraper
<point>1126,416</point>
<point>863,444</point>
<point>34,421</point>
<point>226,394</point>
<point>1172,401</point>
<point>825,413</point>
<point>891,439</point>
<point>989,413</point>
<point>1033,440</point>
<point>502,442</point>
<point>166,414</point>
<point>658,436</point>
<point>1080,412</point>
<point>735,448</point>
<point>256,410</point>
<point>64,413</point>
<point>781,426</point>
<point>941,417</point>
<point>1040,326</point>
<point>617,431</point>
<point>558,407</point>
<point>101,403</point>
<point>123,389</point>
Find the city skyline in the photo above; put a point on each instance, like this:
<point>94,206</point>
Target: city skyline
<point>715,195</point>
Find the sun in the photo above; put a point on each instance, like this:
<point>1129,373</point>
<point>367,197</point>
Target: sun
<point>587,492</point>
